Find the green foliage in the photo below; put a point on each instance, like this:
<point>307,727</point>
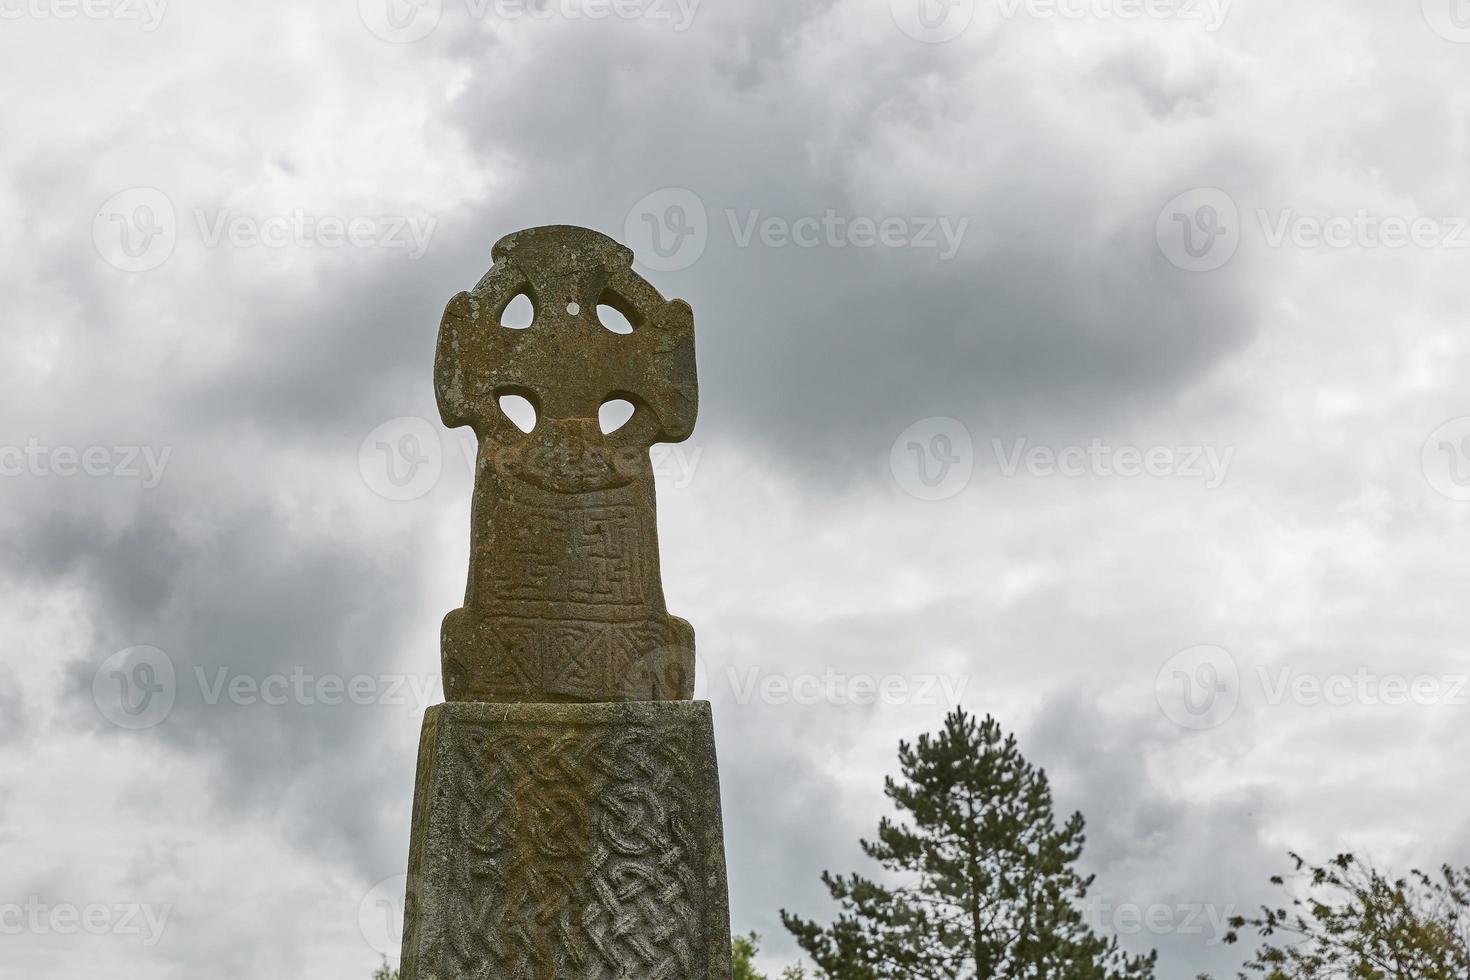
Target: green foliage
<point>385,972</point>
<point>1349,921</point>
<point>744,949</point>
<point>989,889</point>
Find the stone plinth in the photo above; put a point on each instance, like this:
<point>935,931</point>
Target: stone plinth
<point>567,842</point>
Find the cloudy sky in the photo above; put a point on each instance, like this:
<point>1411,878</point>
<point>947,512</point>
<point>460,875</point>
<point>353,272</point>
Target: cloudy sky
<point>1096,364</point>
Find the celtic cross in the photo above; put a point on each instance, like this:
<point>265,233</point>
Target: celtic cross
<point>564,600</point>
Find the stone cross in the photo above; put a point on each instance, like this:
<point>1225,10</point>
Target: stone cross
<point>566,819</point>
<point>564,601</point>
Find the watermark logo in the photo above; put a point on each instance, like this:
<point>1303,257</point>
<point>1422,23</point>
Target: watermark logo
<point>1204,919</point>
<point>668,230</point>
<point>1199,230</point>
<point>678,13</point>
<point>146,464</point>
<point>1201,687</point>
<point>832,230</point>
<point>1363,229</point>
<point>933,459</point>
<point>1363,687</point>
<point>843,689</point>
<point>1450,19</point>
<point>138,688</point>
<point>136,229</point>
<point>1198,688</point>
<point>301,229</point>
<point>407,21</point>
<point>135,688</point>
<point>1210,13</point>
<point>147,13</point>
<point>675,464</point>
<point>381,913</point>
<point>933,21</point>
<point>401,21</point>
<point>1208,464</point>
<point>301,687</point>
<point>1445,459</point>
<point>402,459</point>
<point>38,918</point>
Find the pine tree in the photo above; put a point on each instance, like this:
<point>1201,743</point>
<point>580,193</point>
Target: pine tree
<point>743,952</point>
<point>988,889</point>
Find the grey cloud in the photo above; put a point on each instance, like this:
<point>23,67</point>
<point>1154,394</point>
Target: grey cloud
<point>1058,315</point>
<point>1076,313</point>
<point>253,600</point>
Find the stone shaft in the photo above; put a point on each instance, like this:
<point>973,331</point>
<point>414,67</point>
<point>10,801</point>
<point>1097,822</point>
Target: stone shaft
<point>567,842</point>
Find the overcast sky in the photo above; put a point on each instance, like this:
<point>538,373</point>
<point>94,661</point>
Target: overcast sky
<point>1098,365</point>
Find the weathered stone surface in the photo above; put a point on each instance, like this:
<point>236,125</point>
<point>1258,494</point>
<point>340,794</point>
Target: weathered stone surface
<point>564,600</point>
<point>567,842</point>
<point>567,814</point>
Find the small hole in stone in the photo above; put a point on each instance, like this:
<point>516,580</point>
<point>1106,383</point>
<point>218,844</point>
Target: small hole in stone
<point>519,314</point>
<point>573,309</point>
<point>519,410</point>
<point>613,320</point>
<point>614,414</point>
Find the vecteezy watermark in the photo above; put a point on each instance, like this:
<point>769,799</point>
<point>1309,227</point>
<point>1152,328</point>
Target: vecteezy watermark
<point>1198,688</point>
<point>407,21</point>
<point>832,230</point>
<point>669,230</point>
<point>401,21</point>
<point>1199,230</point>
<point>1160,918</point>
<point>1445,459</point>
<point>842,689</point>
<point>1450,19</point>
<point>300,229</point>
<point>675,463</point>
<point>933,21</point>
<point>38,918</point>
<point>1363,229</point>
<point>148,14</point>
<point>380,915</point>
<point>145,464</point>
<point>135,688</point>
<point>309,689</point>
<point>402,459</point>
<point>138,229</point>
<point>1208,464</point>
<point>138,688</point>
<point>1362,687</point>
<point>933,459</point>
<point>1209,13</point>
<point>937,21</point>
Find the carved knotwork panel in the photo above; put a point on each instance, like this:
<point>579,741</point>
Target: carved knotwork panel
<point>571,851</point>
